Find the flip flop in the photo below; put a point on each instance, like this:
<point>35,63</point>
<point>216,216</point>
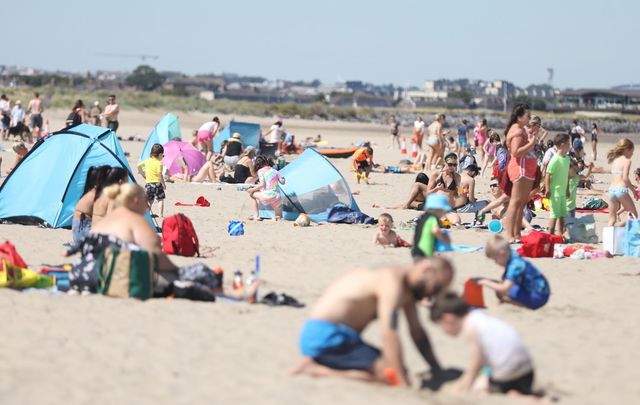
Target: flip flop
<point>274,299</point>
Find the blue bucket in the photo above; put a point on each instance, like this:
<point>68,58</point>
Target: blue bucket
<point>235,228</point>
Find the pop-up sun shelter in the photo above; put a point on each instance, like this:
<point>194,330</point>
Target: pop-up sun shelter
<point>313,186</point>
<point>166,129</point>
<point>46,185</point>
<point>250,134</point>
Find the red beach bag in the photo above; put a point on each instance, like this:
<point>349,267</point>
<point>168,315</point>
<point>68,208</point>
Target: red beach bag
<point>539,244</point>
<point>179,237</point>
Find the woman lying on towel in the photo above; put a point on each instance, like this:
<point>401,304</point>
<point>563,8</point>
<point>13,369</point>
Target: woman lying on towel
<point>127,228</point>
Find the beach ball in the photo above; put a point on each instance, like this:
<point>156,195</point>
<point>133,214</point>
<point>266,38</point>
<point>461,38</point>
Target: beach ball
<point>302,220</point>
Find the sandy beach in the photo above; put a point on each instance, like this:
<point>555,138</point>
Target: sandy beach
<point>77,350</point>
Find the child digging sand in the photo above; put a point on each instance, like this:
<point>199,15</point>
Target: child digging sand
<point>386,236</point>
<point>266,191</point>
<point>522,283</point>
<point>428,227</point>
<point>493,343</point>
<point>152,171</point>
<point>556,183</point>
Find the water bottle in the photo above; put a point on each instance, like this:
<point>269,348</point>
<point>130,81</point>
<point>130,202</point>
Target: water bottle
<point>237,280</point>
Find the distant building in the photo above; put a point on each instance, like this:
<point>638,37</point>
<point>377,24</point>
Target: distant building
<point>600,99</point>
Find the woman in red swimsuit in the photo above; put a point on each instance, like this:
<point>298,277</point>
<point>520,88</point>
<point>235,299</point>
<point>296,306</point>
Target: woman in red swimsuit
<point>522,167</point>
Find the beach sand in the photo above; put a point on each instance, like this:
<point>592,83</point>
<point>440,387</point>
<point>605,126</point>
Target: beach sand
<point>78,350</point>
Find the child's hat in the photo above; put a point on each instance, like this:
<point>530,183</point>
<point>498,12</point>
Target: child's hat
<point>436,201</point>
<point>535,120</point>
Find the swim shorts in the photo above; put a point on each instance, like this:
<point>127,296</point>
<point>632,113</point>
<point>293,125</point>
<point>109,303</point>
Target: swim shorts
<point>558,206</point>
<point>522,384</point>
<point>154,191</point>
<point>518,168</point>
<point>462,140</point>
<point>530,299</point>
<point>336,346</point>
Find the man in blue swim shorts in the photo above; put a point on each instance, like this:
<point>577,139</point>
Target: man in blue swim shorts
<point>330,340</point>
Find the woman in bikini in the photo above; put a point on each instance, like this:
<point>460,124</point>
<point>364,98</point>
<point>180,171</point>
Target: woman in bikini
<point>620,159</point>
<point>447,181</point>
<point>435,142</point>
<point>521,169</point>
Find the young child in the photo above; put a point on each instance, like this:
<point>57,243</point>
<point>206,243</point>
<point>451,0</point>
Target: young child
<point>266,191</point>
<point>428,227</point>
<point>386,236</point>
<point>620,159</point>
<point>363,163</point>
<point>153,173</point>
<point>522,283</point>
<point>556,181</point>
<point>493,343</point>
<point>637,178</point>
<point>490,148</point>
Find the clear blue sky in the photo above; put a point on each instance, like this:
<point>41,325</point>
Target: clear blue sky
<point>589,43</point>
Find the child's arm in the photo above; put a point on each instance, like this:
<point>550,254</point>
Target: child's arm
<point>547,184</point>
<point>499,286</point>
<point>376,240</point>
<point>588,172</point>
<point>140,171</point>
<point>568,188</point>
<point>281,180</point>
<point>437,232</point>
<point>257,187</point>
<point>467,379</point>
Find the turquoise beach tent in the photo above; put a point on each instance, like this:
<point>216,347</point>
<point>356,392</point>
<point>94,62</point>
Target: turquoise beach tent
<point>166,129</point>
<point>249,132</point>
<point>313,186</point>
<point>46,185</point>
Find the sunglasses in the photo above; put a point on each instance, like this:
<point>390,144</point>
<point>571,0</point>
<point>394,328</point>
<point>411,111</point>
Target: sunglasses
<point>452,164</point>
<point>493,185</point>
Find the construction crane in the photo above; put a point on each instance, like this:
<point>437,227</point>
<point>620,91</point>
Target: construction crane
<point>143,57</point>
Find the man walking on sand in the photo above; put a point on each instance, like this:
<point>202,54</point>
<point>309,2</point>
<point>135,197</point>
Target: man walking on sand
<point>111,111</point>
<point>330,339</point>
<point>35,109</point>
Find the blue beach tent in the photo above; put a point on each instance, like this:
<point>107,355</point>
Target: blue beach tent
<point>249,132</point>
<point>313,186</point>
<point>46,185</point>
<point>166,129</point>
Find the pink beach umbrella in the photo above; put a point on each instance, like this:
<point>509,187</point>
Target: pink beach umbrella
<point>175,151</point>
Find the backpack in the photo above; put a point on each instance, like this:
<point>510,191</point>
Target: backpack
<point>539,244</point>
<point>595,204</point>
<point>179,237</point>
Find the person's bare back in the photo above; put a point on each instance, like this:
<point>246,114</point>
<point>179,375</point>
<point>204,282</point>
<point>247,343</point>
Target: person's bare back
<point>352,300</point>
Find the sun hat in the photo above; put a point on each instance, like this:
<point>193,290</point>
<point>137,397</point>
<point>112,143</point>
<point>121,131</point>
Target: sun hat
<point>235,137</point>
<point>535,120</point>
<point>18,102</point>
<point>437,201</point>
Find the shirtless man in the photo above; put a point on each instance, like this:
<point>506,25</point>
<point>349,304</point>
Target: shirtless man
<point>35,109</point>
<point>330,339</point>
<point>110,113</point>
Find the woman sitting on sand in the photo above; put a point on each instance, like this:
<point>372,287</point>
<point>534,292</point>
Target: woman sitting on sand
<point>447,181</point>
<point>232,151</point>
<point>103,204</point>
<point>498,207</point>
<point>83,212</point>
<point>126,228</point>
<point>466,200</point>
<point>245,171</point>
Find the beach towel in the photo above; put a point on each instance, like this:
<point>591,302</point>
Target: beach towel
<point>341,214</point>
<point>443,247</point>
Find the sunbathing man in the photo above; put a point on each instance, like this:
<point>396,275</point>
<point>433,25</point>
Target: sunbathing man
<point>330,339</point>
